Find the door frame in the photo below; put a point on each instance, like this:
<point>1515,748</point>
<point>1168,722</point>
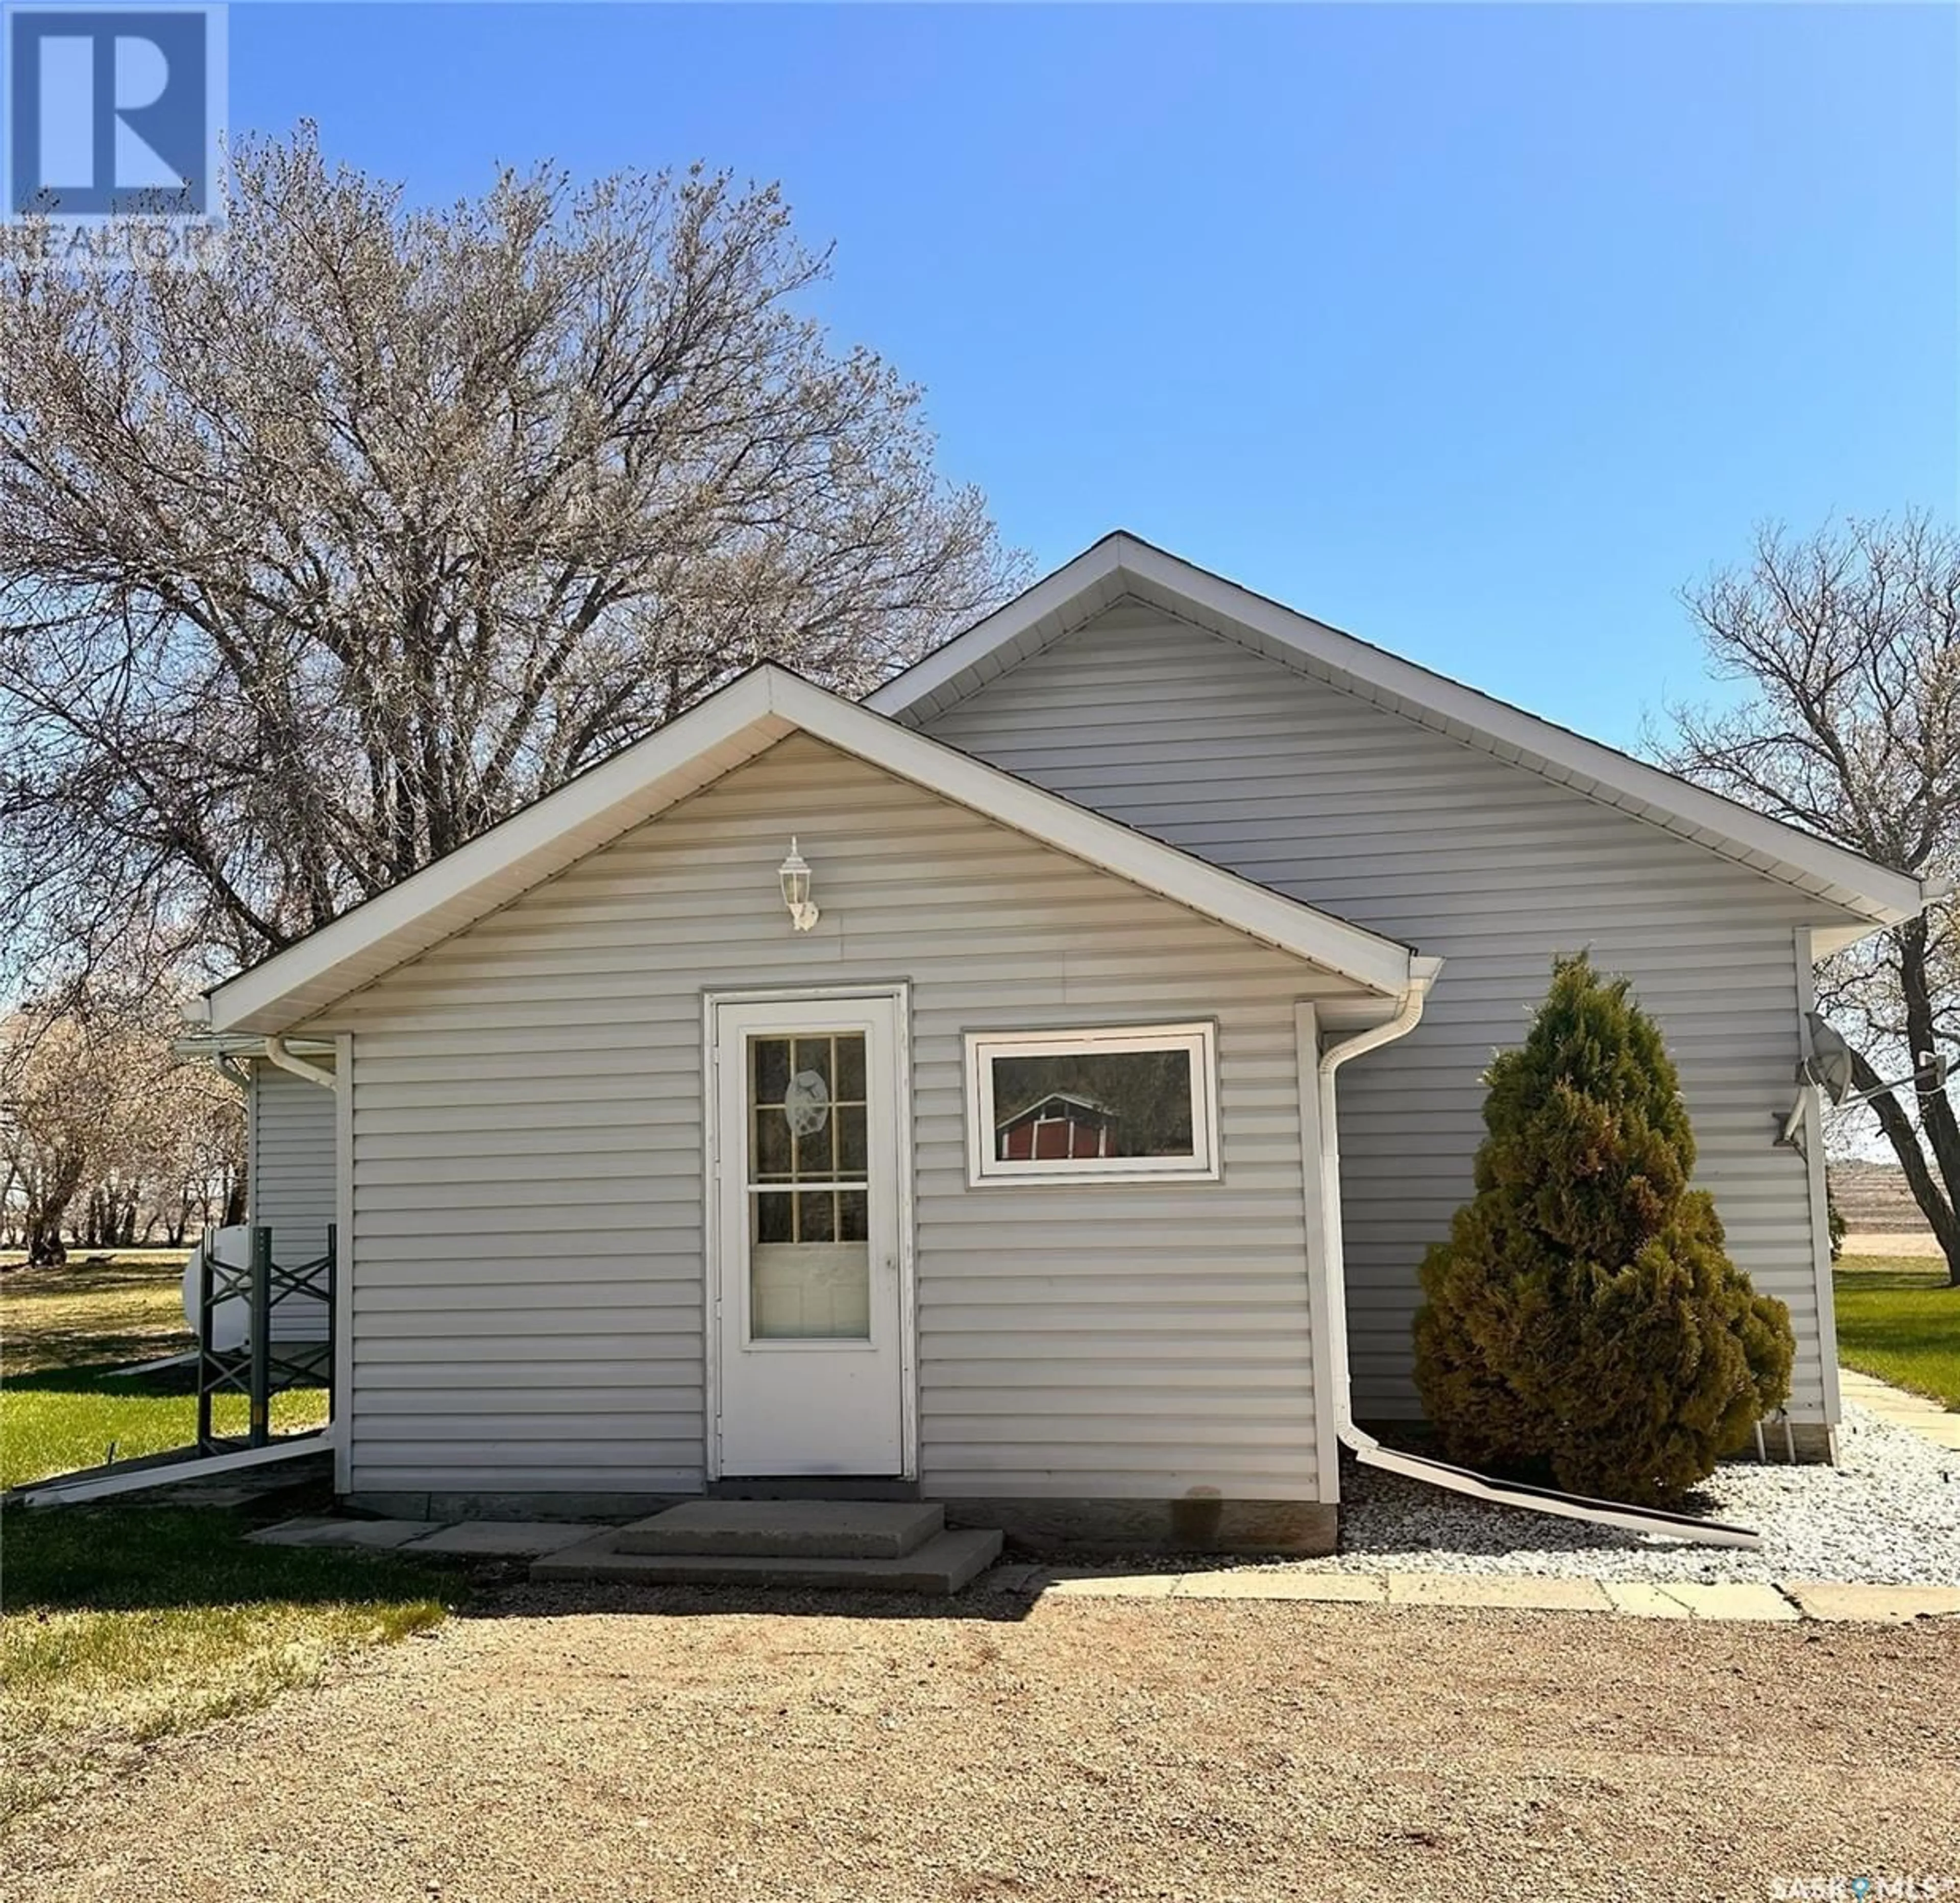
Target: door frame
<point>899,994</point>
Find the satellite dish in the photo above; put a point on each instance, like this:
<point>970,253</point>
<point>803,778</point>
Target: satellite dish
<point>1829,1064</point>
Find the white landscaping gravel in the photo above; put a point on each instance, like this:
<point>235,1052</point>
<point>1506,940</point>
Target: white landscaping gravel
<point>1888,1514</point>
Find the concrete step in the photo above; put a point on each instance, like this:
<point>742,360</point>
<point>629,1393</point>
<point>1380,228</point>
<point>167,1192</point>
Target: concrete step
<point>788,1529</point>
<point>944,1564</point>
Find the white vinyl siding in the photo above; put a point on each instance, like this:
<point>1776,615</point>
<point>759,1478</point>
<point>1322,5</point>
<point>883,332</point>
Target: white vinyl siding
<point>528,1194</point>
<point>1328,799</point>
<point>290,1171</point>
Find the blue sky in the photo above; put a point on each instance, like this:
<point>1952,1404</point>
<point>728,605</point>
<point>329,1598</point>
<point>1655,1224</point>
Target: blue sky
<point>1475,330</point>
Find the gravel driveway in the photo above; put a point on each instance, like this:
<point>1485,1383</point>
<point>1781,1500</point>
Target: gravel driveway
<point>567,1745</point>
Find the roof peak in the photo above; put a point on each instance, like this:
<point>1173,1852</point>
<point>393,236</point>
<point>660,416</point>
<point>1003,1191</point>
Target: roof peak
<point>766,704</point>
<point>1122,563</point>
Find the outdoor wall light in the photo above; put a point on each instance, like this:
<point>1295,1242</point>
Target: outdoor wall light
<point>794,873</point>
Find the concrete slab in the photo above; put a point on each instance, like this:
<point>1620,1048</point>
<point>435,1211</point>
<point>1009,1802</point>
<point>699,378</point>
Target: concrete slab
<point>343,1532</point>
<point>1639,1600</point>
<point>1508,1591</point>
<point>1912,1411</point>
<point>1067,1582</point>
<point>1269,1583</point>
<point>1733,1599</point>
<point>1881,1605</point>
<point>943,1565</point>
<point>788,1528</point>
<point>516,1538</point>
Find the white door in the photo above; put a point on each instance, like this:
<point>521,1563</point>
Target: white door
<point>808,1275</point>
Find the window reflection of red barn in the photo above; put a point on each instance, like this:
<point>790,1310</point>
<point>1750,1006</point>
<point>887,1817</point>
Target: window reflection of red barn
<point>1058,1125</point>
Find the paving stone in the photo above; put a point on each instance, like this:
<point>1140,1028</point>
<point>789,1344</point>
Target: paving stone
<point>1900,1409</point>
<point>1069,1584</point>
<point>1883,1605</point>
<point>522,1538</point>
<point>1268,1583</point>
<point>1641,1601</point>
<point>1525,1592</point>
<point>343,1532</point>
<point>1732,1599</point>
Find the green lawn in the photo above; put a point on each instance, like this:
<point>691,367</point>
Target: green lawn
<point>1898,1319</point>
<point>62,1332</point>
<point>119,1624</point>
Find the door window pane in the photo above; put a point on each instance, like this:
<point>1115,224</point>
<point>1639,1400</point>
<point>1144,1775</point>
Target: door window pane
<point>801,1130</point>
<point>816,1153</point>
<point>772,1158</point>
<point>816,1216</point>
<point>810,1257</point>
<point>771,1058</point>
<point>774,1219</point>
<point>852,1156</point>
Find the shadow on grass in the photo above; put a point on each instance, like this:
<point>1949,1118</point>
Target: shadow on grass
<point>63,1422</point>
<point>112,1559</point>
<point>102,1379</point>
<point>85,1274</point>
<point>85,1315</point>
<point>148,1559</point>
<point>168,1384</point>
<point>125,1625</point>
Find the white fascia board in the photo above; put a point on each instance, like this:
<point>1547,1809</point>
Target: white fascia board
<point>698,748</point>
<point>1378,964</point>
<point>1891,896</point>
<point>1849,883</point>
<point>496,865</point>
<point>207,1045</point>
<point>1052,594</point>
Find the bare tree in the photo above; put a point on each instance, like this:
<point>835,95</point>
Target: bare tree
<point>169,1150</point>
<point>313,566</point>
<point>1848,643</point>
<point>58,1085</point>
<point>200,1177</point>
<point>105,1136</point>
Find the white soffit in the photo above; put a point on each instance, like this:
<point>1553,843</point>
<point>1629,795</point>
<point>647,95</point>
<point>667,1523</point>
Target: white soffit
<point>1120,565</point>
<point>730,727</point>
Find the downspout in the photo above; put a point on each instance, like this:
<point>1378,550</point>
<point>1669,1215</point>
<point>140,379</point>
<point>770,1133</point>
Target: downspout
<point>277,1053</point>
<point>1439,1473</point>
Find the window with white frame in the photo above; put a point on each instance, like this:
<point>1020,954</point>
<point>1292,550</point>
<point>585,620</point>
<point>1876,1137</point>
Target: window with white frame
<point>1138,1103</point>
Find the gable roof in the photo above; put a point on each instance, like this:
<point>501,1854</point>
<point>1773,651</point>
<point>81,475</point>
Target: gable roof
<point>745,718</point>
<point>1121,564</point>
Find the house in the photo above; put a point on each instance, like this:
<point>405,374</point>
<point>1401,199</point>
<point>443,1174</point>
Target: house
<point>649,1183</point>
